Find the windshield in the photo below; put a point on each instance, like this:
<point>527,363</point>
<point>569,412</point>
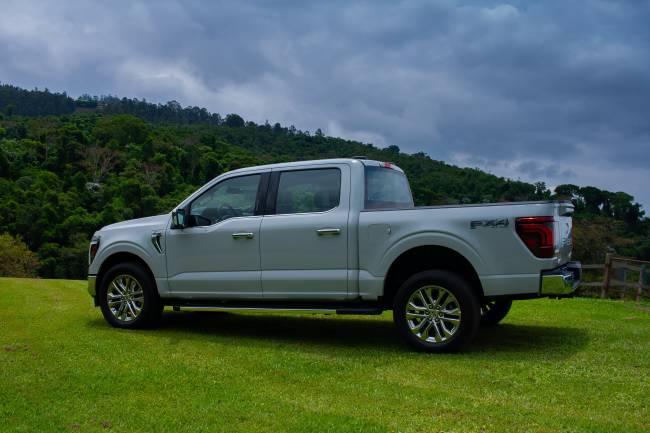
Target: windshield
<point>387,189</point>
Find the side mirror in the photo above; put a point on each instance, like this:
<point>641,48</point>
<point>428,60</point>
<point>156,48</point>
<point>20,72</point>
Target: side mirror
<point>178,219</point>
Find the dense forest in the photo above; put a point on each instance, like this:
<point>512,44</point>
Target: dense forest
<point>68,167</point>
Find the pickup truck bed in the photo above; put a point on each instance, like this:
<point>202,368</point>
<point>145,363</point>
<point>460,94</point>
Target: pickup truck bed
<point>482,234</point>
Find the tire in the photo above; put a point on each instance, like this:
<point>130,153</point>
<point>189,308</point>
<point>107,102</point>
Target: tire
<point>446,321</point>
<point>494,312</point>
<point>142,307</point>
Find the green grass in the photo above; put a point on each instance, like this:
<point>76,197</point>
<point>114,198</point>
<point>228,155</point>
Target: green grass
<point>578,365</point>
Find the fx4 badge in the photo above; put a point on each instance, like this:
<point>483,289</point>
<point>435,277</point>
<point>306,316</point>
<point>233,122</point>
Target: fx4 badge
<point>496,223</point>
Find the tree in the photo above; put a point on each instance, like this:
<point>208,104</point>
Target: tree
<point>99,161</point>
<point>593,238</point>
<point>541,192</point>
<point>393,149</point>
<point>235,121</point>
<point>594,199</point>
<point>16,260</point>
<point>121,130</point>
<point>4,164</point>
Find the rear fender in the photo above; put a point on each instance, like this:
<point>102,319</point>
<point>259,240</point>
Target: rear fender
<point>430,239</point>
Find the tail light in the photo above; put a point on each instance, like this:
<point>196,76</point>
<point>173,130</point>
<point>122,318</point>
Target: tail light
<point>537,234</point>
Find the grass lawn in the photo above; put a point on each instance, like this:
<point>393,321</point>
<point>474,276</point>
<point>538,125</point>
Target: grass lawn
<point>575,365</point>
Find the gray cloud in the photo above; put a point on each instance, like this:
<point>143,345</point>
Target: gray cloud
<point>554,91</point>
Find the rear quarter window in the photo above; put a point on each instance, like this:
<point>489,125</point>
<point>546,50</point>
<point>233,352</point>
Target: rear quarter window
<point>313,190</point>
<point>386,189</point>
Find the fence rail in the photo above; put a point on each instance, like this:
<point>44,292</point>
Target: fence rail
<point>619,272</point>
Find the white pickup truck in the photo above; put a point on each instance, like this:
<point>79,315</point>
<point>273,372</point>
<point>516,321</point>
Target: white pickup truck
<point>334,236</point>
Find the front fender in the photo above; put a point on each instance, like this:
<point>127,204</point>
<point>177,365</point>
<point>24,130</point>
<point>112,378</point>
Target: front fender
<point>123,247</point>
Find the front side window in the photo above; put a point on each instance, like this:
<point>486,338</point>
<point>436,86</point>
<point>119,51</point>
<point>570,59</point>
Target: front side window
<point>387,189</point>
<point>303,191</point>
<point>231,198</point>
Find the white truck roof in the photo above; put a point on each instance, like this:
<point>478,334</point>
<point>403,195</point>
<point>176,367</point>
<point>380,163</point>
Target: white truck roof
<point>365,162</point>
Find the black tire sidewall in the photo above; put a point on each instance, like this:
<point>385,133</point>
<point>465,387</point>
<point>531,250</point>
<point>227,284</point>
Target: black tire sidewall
<point>467,300</point>
<point>152,306</point>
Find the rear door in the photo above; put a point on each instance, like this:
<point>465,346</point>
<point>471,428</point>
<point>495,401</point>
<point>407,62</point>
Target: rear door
<point>304,233</point>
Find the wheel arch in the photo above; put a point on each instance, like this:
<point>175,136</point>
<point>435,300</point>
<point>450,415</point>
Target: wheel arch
<point>123,257</point>
<point>427,257</point>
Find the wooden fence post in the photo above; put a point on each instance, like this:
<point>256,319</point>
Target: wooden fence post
<point>608,275</point>
<point>641,278</point>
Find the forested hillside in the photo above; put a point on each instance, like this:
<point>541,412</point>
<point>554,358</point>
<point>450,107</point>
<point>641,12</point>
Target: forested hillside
<point>68,167</point>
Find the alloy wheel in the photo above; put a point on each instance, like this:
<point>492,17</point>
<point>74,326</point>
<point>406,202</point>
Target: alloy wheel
<point>433,314</point>
<point>125,298</point>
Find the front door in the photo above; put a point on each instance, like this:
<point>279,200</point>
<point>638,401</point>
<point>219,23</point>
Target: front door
<point>217,256</point>
<point>304,234</point>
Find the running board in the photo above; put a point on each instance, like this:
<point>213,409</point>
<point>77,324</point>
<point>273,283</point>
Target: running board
<point>361,310</point>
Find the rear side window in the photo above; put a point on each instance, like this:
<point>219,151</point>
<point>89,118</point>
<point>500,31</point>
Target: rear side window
<point>303,191</point>
<point>386,189</point>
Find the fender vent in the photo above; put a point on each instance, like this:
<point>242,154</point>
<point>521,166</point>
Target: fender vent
<point>155,240</point>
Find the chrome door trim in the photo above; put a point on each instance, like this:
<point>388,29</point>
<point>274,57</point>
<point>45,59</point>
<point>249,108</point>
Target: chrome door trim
<point>243,235</point>
<point>328,232</point>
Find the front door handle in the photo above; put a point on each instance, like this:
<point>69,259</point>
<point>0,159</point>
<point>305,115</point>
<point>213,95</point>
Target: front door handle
<point>328,232</point>
<point>242,235</point>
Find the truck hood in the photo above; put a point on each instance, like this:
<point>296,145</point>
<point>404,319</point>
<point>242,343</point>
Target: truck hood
<point>148,223</point>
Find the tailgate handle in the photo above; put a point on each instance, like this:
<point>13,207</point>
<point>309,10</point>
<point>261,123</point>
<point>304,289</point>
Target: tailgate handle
<point>328,232</point>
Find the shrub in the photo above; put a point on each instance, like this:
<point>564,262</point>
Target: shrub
<point>16,260</point>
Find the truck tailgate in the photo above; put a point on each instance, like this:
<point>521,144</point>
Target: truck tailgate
<point>564,231</point>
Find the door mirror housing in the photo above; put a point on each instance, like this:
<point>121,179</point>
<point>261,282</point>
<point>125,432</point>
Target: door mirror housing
<point>179,218</point>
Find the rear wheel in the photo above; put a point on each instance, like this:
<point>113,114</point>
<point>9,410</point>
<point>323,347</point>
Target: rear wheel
<point>128,297</point>
<point>494,312</point>
<point>436,311</point>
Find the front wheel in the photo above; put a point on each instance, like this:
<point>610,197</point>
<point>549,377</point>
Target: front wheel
<point>436,311</point>
<point>128,297</point>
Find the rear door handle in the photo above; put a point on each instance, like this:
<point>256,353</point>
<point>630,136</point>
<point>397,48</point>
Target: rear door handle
<point>328,232</point>
<point>242,235</point>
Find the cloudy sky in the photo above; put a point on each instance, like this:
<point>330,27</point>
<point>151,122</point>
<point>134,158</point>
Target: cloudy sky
<point>557,91</point>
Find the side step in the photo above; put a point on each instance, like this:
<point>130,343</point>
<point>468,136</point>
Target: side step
<point>297,309</point>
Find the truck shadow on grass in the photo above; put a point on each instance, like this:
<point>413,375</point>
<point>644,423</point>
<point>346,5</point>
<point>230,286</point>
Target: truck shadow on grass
<point>376,334</point>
